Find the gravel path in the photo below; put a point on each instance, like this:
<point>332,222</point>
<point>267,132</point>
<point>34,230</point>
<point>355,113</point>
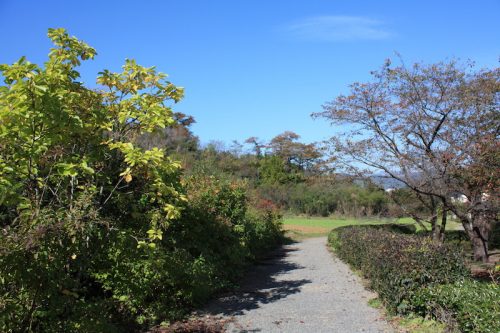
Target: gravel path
<point>301,288</point>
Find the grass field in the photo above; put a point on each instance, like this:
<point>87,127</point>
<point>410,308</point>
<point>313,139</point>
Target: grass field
<point>301,227</point>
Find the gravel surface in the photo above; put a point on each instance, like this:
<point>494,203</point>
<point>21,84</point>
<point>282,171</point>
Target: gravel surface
<point>300,288</point>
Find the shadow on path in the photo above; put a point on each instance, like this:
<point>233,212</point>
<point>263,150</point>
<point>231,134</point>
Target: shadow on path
<point>262,284</point>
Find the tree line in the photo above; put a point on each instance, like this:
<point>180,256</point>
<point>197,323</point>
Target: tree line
<point>283,173</point>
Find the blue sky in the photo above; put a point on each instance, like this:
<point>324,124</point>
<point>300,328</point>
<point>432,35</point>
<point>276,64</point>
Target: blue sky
<point>257,68</point>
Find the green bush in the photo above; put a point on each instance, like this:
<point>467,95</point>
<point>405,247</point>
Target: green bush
<point>99,234</point>
<point>398,265</point>
<point>414,275</point>
<point>100,280</point>
<point>468,305</point>
<point>323,197</point>
<point>48,284</point>
<point>263,231</point>
<point>224,203</point>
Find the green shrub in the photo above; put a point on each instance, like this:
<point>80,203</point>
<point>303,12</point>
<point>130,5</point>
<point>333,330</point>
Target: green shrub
<point>414,275</point>
<point>74,189</point>
<point>224,204</point>
<point>99,234</point>
<point>47,285</point>
<point>468,305</point>
<point>263,230</point>
<point>100,280</point>
<point>323,197</point>
<point>398,265</point>
<point>203,251</point>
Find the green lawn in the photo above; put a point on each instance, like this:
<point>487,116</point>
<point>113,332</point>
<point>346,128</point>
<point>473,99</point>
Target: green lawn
<point>300,227</point>
<point>332,223</point>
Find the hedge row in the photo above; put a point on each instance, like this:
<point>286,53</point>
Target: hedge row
<point>398,265</point>
<point>412,274</point>
<point>467,305</point>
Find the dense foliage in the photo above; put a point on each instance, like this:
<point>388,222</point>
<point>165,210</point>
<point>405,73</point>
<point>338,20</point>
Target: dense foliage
<point>412,274</point>
<point>283,173</point>
<point>468,305</point>
<point>398,265</point>
<point>99,233</point>
<point>324,197</point>
<point>290,188</point>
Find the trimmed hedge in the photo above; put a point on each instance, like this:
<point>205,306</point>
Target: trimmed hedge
<point>414,275</point>
<point>398,265</point>
<point>468,305</point>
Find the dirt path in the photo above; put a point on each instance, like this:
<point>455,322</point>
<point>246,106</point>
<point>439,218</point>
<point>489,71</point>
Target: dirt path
<point>302,288</point>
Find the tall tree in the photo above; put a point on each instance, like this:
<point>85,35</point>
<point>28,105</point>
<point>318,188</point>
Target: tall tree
<point>293,152</point>
<point>257,145</point>
<point>434,128</point>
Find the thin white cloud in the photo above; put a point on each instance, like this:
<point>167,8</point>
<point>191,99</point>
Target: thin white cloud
<point>338,28</point>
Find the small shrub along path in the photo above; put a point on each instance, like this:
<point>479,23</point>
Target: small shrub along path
<point>300,288</point>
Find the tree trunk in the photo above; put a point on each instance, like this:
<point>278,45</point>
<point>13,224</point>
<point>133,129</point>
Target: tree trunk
<point>438,229</point>
<point>434,217</point>
<point>479,247</point>
<point>479,235</point>
<point>434,227</point>
<point>477,224</point>
<point>444,220</point>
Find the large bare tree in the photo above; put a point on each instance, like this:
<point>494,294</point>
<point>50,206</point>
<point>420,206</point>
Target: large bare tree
<point>435,128</point>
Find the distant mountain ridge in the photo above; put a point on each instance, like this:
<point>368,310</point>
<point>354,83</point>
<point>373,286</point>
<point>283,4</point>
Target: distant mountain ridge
<point>387,182</point>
